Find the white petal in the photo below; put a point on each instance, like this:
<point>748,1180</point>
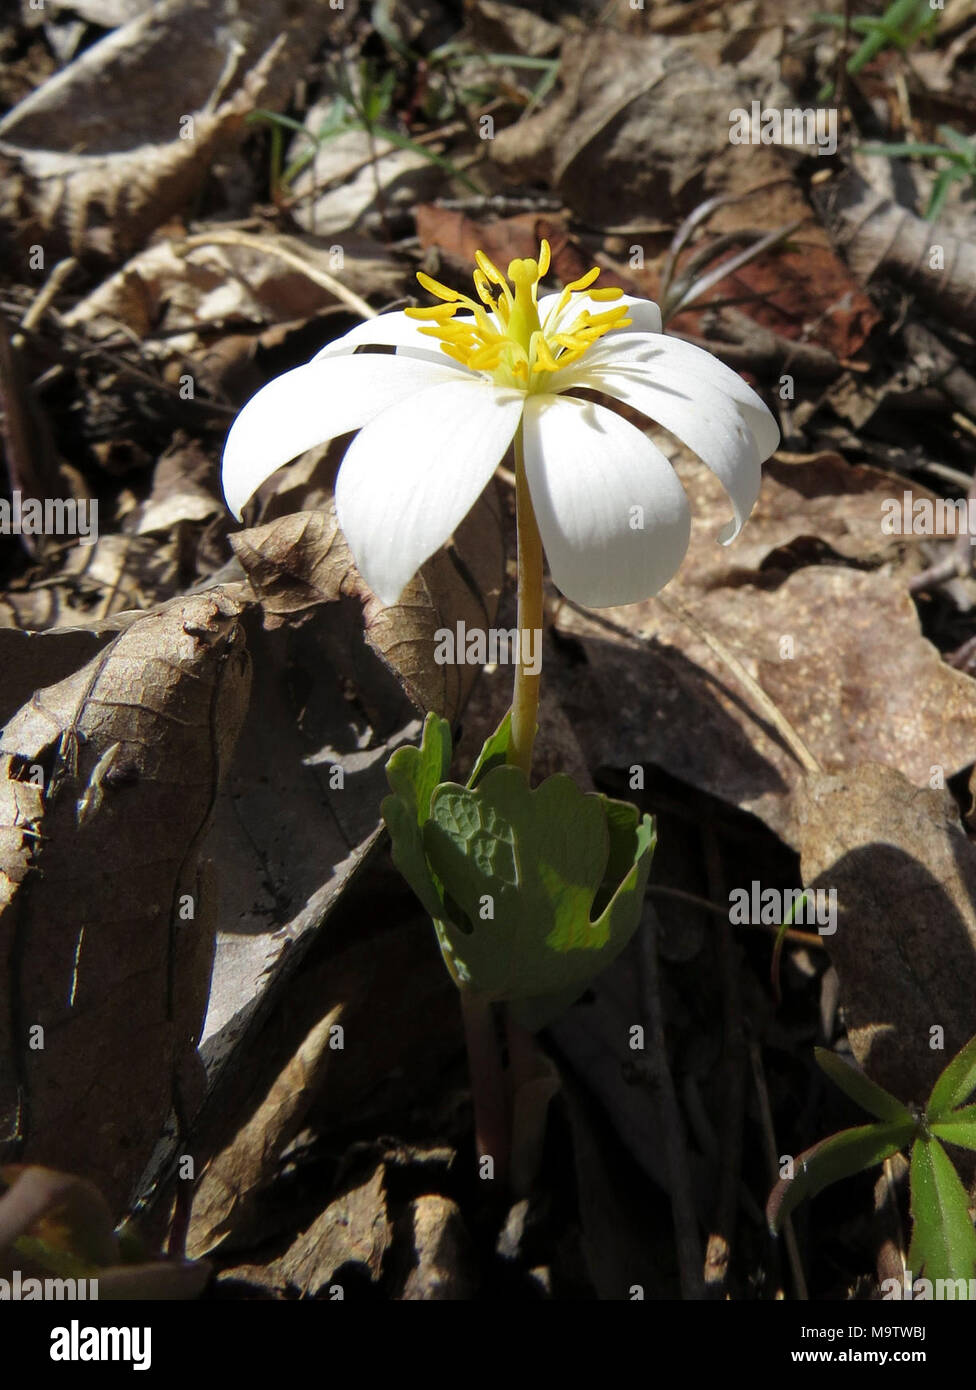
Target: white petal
<point>644,313</point>
<point>386,330</point>
<point>697,414</point>
<point>310,405</point>
<point>700,366</point>
<point>593,478</point>
<point>411,476</point>
<point>397,331</point>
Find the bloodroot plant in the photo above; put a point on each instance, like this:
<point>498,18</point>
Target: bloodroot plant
<point>532,891</point>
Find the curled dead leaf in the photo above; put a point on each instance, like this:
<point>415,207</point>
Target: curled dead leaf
<point>303,559</point>
<point>107,916</point>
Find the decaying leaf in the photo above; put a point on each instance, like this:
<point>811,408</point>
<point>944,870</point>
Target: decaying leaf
<point>440,1252</point>
<point>303,559</point>
<point>876,236</point>
<point>106,914</point>
<point>339,189</point>
<point>225,1197</point>
<point>904,873</point>
<point>838,650</point>
<point>349,1239</point>
<point>168,294</point>
<point>633,130</point>
<point>122,138</point>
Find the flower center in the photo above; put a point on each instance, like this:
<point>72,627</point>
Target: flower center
<point>502,335</point>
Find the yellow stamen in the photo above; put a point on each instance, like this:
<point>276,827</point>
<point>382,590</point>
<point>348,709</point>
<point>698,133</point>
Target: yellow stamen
<point>502,333</point>
<point>439,312</point>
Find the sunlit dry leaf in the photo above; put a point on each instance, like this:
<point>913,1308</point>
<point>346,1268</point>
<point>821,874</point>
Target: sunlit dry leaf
<point>167,294</point>
<point>904,873</point>
<point>838,650</point>
<point>109,953</point>
<point>354,1230</point>
<point>121,140</point>
<point>440,1255</point>
<point>878,237</point>
<point>225,1197</point>
<point>303,559</point>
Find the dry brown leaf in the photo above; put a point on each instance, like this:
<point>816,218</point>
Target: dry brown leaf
<point>439,1251</point>
<point>225,1197</point>
<point>876,236</point>
<point>303,559</point>
<point>633,130</point>
<point>905,946</point>
<point>121,140</point>
<point>354,1230</point>
<point>166,294</point>
<point>110,950</point>
<point>862,683</point>
<point>501,28</point>
<point>337,192</point>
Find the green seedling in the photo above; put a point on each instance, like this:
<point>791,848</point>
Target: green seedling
<point>903,23</point>
<point>960,152</point>
<point>943,1243</point>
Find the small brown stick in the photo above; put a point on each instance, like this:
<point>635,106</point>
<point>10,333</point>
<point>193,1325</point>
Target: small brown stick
<point>46,294</point>
<point>799,938</point>
<point>271,248</point>
<point>733,1072</point>
<point>682,1199</point>
<point>957,564</point>
<point>772,1158</point>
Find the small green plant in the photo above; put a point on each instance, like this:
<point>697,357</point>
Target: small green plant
<point>943,1244</point>
<point>960,152</point>
<point>903,23</point>
<point>356,106</point>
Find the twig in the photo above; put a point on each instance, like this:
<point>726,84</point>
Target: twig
<point>957,564</point>
<point>733,1070</point>
<point>270,248</point>
<point>772,1159</point>
<point>47,293</point>
<point>800,938</point>
<point>682,1201</point>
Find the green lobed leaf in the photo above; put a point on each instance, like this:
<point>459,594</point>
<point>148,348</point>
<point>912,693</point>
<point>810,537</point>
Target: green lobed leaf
<point>838,1157</point>
<point>550,883</point>
<point>494,752</point>
<point>532,893</point>
<point>955,1084</point>
<point>413,773</point>
<point>867,1094</point>
<point>943,1242</point>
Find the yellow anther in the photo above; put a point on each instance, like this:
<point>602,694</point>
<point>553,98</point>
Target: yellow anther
<point>490,270</point>
<point>502,334</point>
<point>440,312</point>
<point>484,290</point>
<point>435,287</point>
<point>584,282</point>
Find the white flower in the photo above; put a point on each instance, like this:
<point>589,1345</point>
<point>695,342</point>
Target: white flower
<point>436,418</point>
